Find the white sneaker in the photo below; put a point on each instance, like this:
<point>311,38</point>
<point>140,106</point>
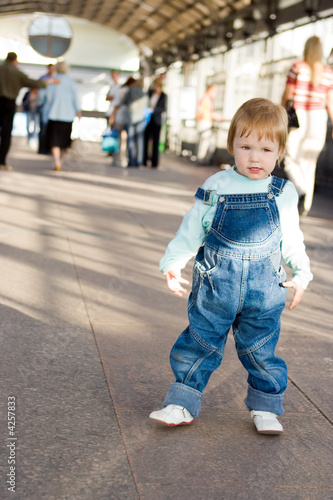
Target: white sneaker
<point>266,422</point>
<point>172,415</point>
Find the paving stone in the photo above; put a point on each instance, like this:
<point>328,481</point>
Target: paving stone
<point>86,328</point>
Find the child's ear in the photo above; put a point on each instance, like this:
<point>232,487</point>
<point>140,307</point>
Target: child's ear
<point>282,152</point>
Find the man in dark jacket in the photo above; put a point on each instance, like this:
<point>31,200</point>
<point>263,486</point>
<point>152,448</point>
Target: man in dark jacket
<point>11,82</point>
<point>158,105</point>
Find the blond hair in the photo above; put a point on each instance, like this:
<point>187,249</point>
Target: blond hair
<point>159,82</point>
<point>263,116</point>
<point>313,55</point>
<point>61,67</point>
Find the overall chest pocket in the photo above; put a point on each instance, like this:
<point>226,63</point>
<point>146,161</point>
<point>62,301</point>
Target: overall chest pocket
<point>246,224</point>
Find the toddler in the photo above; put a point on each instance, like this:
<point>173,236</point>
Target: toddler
<point>243,221</point>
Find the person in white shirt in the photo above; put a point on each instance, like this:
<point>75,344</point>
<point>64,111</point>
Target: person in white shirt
<point>113,96</point>
<point>113,91</point>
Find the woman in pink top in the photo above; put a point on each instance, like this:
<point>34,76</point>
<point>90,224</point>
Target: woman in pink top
<point>310,86</point>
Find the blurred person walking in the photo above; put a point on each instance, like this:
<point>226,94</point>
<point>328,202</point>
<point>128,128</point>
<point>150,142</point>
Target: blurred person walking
<point>205,119</point>
<point>12,80</point>
<point>49,73</point>
<point>29,102</point>
<point>112,96</point>
<point>136,100</point>
<point>42,146</point>
<point>60,105</point>
<point>132,105</point>
<point>119,120</point>
<point>113,92</point>
<point>310,86</point>
<point>158,105</point>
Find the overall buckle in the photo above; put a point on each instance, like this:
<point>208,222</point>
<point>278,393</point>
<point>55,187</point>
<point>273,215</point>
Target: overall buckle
<point>210,196</point>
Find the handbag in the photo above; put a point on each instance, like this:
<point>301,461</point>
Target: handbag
<point>292,115</point>
<point>110,140</point>
<point>147,114</point>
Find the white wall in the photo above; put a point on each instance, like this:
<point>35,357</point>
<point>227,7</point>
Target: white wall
<point>251,70</point>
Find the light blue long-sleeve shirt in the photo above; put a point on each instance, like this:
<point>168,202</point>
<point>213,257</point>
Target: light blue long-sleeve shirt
<point>59,102</point>
<point>198,220</point>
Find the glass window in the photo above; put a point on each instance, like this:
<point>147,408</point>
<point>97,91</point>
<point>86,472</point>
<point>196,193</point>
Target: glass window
<point>50,36</point>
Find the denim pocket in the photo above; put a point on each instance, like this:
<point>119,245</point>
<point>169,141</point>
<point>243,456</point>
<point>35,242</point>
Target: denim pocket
<point>207,267</point>
<point>209,262</point>
<point>275,259</point>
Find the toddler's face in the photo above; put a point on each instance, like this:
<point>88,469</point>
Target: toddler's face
<point>255,158</point>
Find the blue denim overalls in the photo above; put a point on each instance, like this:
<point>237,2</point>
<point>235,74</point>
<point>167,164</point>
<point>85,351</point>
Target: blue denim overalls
<point>237,280</point>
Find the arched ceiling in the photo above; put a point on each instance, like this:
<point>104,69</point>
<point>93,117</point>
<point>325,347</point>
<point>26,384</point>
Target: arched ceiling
<point>173,29</point>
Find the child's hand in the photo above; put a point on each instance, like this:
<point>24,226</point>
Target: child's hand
<point>174,281</point>
<point>298,293</point>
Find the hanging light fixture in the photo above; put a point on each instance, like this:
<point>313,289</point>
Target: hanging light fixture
<point>249,26</point>
<point>311,8</point>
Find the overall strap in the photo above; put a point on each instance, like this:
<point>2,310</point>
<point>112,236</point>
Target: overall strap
<point>211,197</point>
<point>277,185</point>
<point>208,196</point>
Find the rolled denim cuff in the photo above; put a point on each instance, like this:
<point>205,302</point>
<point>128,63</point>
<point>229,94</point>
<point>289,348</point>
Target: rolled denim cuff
<point>262,401</point>
<point>183,395</point>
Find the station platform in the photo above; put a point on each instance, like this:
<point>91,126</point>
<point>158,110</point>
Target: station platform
<point>87,324</point>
